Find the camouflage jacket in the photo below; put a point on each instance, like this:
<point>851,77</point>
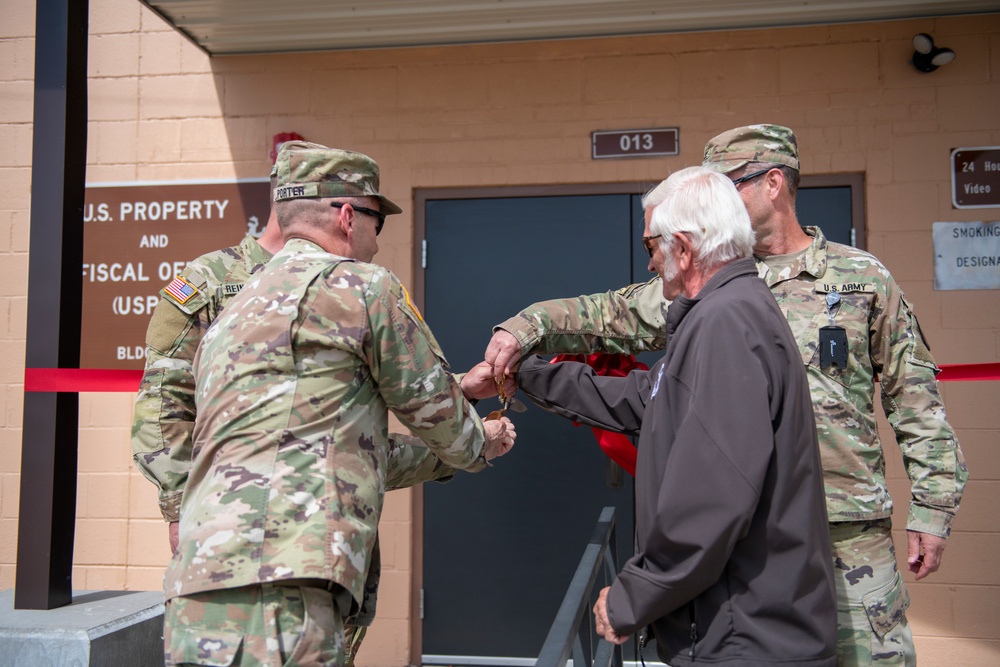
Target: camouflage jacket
<point>293,386</point>
<point>165,407</point>
<point>884,340</point>
<point>164,410</point>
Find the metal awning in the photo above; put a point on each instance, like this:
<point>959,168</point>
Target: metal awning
<point>232,27</point>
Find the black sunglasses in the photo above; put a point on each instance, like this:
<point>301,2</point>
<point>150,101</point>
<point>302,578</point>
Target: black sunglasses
<point>744,179</point>
<point>378,215</point>
<point>647,242</point>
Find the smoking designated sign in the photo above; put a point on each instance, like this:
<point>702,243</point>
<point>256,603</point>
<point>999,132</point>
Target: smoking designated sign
<point>966,255</point>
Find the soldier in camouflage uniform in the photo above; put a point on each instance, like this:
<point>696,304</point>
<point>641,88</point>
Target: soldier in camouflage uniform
<point>164,412</point>
<point>292,454</point>
<point>872,333</point>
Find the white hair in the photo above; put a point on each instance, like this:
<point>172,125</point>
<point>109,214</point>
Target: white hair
<point>706,206</point>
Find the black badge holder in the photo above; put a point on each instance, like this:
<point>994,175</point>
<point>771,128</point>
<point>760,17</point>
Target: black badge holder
<point>832,339</point>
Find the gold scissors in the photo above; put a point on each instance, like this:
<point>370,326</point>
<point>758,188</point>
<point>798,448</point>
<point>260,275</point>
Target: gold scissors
<point>504,400</point>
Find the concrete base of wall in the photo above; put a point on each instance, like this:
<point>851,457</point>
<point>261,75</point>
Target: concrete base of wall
<point>98,629</point>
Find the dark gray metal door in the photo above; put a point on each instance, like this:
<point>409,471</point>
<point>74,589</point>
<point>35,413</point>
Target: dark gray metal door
<point>500,547</point>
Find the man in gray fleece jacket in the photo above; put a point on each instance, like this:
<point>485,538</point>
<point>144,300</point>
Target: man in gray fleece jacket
<point>732,563</point>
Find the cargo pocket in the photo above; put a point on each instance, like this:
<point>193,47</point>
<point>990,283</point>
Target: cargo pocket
<point>885,606</point>
<point>201,646</point>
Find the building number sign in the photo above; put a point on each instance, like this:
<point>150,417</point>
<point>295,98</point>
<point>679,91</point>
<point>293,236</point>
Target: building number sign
<point>635,143</point>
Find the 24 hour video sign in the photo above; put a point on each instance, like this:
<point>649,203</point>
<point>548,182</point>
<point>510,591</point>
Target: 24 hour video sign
<point>137,238</point>
<point>975,177</point>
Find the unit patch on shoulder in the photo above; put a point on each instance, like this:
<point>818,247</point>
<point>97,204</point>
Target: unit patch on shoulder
<point>409,303</point>
<point>180,290</point>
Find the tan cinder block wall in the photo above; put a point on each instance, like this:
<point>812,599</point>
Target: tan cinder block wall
<point>521,114</point>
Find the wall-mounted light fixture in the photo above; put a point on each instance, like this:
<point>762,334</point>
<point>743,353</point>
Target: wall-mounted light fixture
<point>926,56</point>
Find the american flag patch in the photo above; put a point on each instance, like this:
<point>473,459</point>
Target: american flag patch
<point>180,289</point>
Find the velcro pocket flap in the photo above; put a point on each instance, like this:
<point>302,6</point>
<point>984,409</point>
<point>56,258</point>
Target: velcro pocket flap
<point>886,605</point>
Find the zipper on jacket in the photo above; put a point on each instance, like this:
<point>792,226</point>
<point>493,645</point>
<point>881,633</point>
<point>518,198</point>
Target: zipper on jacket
<point>644,636</point>
<point>694,631</point>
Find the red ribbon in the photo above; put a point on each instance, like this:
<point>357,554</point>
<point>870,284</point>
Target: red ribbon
<point>967,372</point>
<point>76,380</point>
<point>615,365</point>
<point>617,446</point>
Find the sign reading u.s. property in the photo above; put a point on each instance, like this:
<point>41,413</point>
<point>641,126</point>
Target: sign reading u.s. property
<point>137,238</point>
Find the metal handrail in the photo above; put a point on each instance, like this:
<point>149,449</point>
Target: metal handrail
<point>572,623</point>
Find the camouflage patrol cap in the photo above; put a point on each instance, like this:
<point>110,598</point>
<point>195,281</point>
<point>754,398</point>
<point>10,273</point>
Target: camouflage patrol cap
<point>739,147</point>
<point>310,170</point>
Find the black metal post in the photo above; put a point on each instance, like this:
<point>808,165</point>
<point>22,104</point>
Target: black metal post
<point>47,514</point>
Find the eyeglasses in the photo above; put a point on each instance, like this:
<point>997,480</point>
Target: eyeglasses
<point>378,215</point>
<point>647,242</point>
<point>744,179</point>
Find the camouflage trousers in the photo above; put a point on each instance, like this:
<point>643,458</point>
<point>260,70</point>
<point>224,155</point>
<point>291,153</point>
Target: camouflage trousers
<point>871,597</point>
<point>254,626</point>
<point>354,635</point>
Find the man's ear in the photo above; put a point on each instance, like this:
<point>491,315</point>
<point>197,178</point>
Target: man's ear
<point>774,181</point>
<point>683,251</point>
<point>345,220</point>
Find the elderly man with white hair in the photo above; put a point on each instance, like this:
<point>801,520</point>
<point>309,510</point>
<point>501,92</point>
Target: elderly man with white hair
<point>732,561</point>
